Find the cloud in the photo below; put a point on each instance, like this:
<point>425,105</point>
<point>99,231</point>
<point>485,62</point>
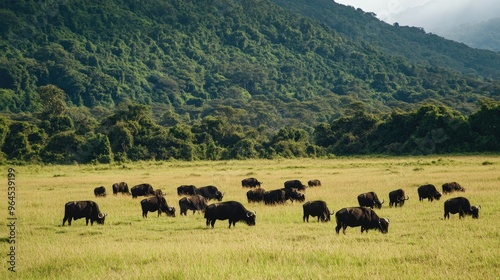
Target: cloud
<point>432,15</point>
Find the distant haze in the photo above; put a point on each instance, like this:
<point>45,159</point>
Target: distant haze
<point>435,16</point>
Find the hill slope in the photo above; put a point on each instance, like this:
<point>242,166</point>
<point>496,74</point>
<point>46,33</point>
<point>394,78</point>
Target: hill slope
<point>484,35</point>
<point>411,42</point>
<point>195,57</point>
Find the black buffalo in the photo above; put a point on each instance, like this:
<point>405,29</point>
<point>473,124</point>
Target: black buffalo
<point>100,191</point>
<point>318,209</point>
<point>250,183</point>
<point>255,195</point>
<point>89,210</point>
<point>369,199</point>
<point>275,197</point>
<point>397,198</point>
<point>314,183</point>
<point>195,202</point>
<point>452,187</point>
<point>210,192</point>
<point>294,184</point>
<point>121,187</point>
<point>360,216</point>
<point>428,191</point>
<point>460,205</point>
<point>294,195</point>
<point>158,192</point>
<point>229,210</point>
<point>142,190</point>
<point>186,190</point>
<point>156,203</point>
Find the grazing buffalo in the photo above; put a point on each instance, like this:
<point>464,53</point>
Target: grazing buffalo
<point>210,192</point>
<point>121,187</point>
<point>250,183</point>
<point>314,183</point>
<point>195,202</point>
<point>397,198</point>
<point>156,203</point>
<point>100,191</point>
<point>369,199</point>
<point>142,190</point>
<point>186,190</point>
<point>360,216</point>
<point>255,195</point>
<point>452,187</point>
<point>318,209</point>
<point>460,205</point>
<point>295,184</point>
<point>89,210</point>
<point>229,210</point>
<point>428,191</point>
<point>158,192</point>
<point>294,195</point>
<point>275,197</point>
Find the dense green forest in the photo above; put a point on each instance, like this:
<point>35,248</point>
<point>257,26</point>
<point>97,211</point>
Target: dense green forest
<point>413,43</point>
<point>93,81</point>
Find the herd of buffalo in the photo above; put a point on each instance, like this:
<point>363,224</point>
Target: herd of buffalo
<point>196,199</point>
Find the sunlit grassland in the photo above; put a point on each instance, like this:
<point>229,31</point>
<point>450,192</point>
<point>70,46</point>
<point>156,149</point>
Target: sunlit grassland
<point>419,245</point>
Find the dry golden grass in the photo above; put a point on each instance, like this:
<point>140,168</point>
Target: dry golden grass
<point>419,245</point>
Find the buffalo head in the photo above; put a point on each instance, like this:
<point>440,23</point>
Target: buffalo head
<point>250,218</point>
<point>383,224</point>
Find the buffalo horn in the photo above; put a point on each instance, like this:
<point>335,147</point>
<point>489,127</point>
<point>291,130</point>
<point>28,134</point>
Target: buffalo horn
<point>407,197</point>
<point>249,214</point>
<point>382,202</point>
<point>100,215</point>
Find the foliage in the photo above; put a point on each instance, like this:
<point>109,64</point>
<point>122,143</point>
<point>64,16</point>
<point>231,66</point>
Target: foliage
<point>273,66</point>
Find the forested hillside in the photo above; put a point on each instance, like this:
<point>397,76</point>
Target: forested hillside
<point>94,81</point>
<point>413,43</point>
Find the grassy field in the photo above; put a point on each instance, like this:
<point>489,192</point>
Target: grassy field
<point>419,245</point>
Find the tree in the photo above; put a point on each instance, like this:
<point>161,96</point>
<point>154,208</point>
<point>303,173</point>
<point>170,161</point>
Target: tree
<point>62,148</point>
<point>53,101</point>
<point>96,149</point>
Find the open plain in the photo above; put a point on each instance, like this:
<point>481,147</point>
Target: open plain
<point>419,244</point>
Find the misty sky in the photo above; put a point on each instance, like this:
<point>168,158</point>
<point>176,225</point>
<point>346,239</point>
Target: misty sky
<point>432,15</point>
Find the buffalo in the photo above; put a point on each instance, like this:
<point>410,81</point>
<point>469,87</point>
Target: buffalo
<point>460,205</point>
<point>158,192</point>
<point>397,198</point>
<point>89,210</point>
<point>428,191</point>
<point>156,203</point>
<point>318,209</point>
<point>142,190</point>
<point>294,184</point>
<point>250,183</point>
<point>452,187</point>
<point>314,183</point>
<point>360,216</point>
<point>294,195</point>
<point>275,197</point>
<point>187,190</point>
<point>210,192</point>
<point>369,199</point>
<point>120,187</point>
<point>100,191</point>
<point>229,210</point>
<point>195,202</point>
<point>256,195</point>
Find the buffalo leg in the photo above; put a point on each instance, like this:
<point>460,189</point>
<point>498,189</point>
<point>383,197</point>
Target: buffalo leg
<point>337,228</point>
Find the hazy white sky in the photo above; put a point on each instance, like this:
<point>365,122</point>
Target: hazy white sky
<point>430,14</point>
